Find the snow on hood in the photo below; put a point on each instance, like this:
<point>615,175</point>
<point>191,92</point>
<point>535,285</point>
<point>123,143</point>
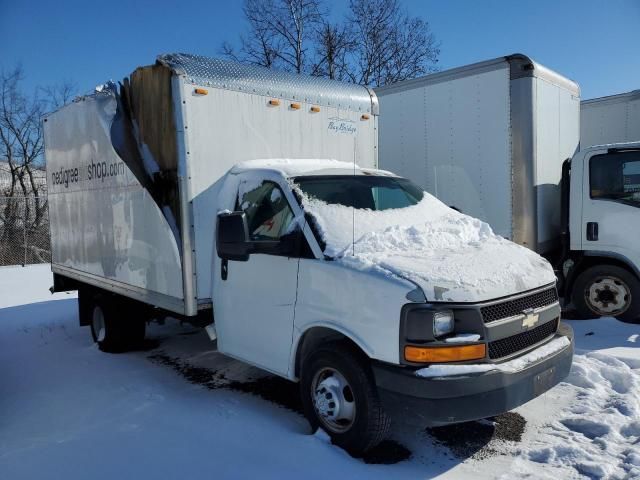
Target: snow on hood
<point>451,256</point>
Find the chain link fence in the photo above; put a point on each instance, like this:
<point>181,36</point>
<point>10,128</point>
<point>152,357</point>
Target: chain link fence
<point>24,230</point>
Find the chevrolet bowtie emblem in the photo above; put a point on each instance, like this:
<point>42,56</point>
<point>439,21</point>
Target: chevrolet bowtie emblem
<point>530,319</point>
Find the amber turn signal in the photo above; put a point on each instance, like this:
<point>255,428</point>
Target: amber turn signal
<point>444,354</point>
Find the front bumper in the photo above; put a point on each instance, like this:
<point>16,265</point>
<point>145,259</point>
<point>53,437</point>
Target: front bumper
<point>445,400</point>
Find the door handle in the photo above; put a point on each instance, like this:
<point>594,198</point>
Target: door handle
<point>592,231</point>
<point>224,269</point>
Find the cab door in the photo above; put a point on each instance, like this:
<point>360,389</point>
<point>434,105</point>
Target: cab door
<point>254,300</point>
<point>611,205</point>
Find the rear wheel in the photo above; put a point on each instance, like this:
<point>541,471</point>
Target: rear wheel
<point>340,395</point>
<point>85,305</point>
<point>116,326</point>
<point>607,290</point>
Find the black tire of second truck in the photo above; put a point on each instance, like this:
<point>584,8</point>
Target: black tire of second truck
<point>113,330</point>
<point>339,394</point>
<point>607,290</point>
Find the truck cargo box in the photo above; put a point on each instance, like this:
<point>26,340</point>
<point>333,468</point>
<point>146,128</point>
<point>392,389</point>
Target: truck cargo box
<point>132,169</point>
<point>612,119</point>
<point>488,139</point>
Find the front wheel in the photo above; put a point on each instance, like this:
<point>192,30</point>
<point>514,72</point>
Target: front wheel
<point>340,395</point>
<point>607,290</point>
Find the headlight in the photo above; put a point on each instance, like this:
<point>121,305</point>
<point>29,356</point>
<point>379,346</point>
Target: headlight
<point>442,323</point>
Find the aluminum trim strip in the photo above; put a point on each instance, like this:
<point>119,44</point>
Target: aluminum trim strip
<point>166,302</point>
<point>254,79</point>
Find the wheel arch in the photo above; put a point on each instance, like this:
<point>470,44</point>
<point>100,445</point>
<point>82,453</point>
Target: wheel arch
<point>612,258</point>
<point>589,259</point>
<point>316,335</point>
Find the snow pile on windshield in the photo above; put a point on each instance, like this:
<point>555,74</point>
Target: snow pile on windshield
<point>451,256</point>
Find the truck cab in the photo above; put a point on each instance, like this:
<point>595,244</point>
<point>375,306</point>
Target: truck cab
<point>379,299</point>
<point>603,267</point>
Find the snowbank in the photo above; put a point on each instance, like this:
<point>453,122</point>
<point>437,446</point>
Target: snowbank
<point>598,435</point>
<point>22,285</point>
<point>67,407</point>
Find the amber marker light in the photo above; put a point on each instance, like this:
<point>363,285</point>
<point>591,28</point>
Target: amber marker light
<point>444,354</point>
<point>201,91</point>
<point>364,117</point>
<point>295,106</point>
<point>274,103</point>
<point>315,109</point>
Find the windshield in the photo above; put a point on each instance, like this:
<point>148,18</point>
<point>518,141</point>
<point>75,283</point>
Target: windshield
<point>361,191</point>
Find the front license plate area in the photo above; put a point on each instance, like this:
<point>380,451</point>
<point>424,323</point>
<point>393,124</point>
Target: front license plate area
<point>544,381</point>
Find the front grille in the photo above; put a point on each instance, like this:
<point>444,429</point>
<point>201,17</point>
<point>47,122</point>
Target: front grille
<point>516,306</point>
<point>510,345</point>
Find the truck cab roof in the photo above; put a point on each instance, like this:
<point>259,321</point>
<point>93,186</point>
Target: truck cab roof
<point>619,146</point>
<point>304,167</point>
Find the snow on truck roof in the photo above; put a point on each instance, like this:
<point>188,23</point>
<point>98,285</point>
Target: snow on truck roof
<point>214,72</point>
<point>294,167</point>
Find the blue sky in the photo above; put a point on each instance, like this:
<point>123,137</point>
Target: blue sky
<point>591,41</point>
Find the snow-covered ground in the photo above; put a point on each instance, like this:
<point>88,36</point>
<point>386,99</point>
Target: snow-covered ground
<point>180,410</point>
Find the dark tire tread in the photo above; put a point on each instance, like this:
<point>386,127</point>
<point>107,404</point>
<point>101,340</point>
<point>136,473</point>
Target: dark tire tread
<point>367,431</point>
<point>632,315</point>
<point>125,327</point>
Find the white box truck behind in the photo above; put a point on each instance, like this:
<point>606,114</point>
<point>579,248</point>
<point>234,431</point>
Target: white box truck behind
<point>612,119</point>
<point>488,139</point>
<point>499,140</point>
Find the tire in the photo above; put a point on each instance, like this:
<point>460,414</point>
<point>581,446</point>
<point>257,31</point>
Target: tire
<point>607,290</point>
<point>351,413</point>
<point>85,305</point>
<point>115,326</point>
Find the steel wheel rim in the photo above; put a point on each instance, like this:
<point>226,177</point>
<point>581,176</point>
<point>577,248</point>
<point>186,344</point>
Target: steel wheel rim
<point>608,295</point>
<point>97,321</point>
<point>333,400</point>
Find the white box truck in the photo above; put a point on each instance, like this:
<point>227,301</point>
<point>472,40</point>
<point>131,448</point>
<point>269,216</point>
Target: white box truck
<point>611,119</point>
<point>492,139</point>
<point>247,201</point>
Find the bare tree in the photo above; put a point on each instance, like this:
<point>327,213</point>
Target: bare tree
<point>334,44</point>
<point>261,45</point>
<point>21,140</point>
<point>391,45</point>
<point>54,97</point>
<point>379,42</point>
<point>280,32</point>
<point>21,152</point>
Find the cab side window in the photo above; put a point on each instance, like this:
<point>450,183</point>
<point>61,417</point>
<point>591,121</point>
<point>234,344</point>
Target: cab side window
<point>269,215</point>
<point>616,176</point>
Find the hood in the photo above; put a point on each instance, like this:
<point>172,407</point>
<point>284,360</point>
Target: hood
<point>452,257</point>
